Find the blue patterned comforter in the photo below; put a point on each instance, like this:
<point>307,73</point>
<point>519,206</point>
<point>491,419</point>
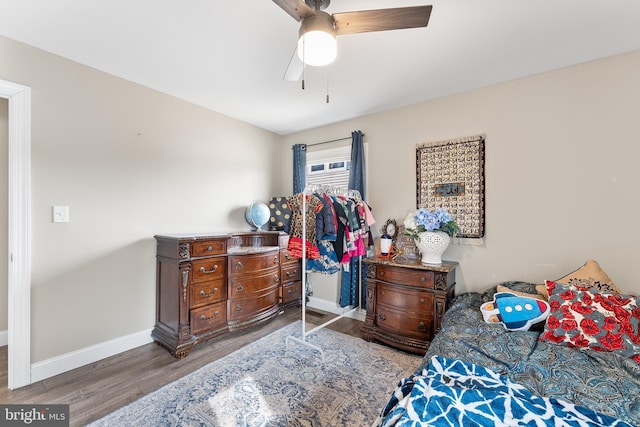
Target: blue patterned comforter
<point>606,383</point>
<point>454,393</point>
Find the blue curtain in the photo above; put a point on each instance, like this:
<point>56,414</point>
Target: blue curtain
<point>299,164</point>
<point>356,173</point>
<point>349,279</point>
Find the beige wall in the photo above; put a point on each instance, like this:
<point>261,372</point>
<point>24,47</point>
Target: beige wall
<point>562,171</point>
<point>561,176</point>
<point>4,143</point>
<point>130,163</point>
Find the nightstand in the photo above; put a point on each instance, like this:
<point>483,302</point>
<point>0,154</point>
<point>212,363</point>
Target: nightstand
<point>406,301</point>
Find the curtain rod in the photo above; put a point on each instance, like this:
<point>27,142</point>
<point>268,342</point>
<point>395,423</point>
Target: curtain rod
<point>333,140</point>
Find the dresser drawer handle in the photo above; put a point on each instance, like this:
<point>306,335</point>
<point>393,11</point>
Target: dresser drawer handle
<point>276,279</point>
<point>290,291</point>
<point>288,257</point>
<point>291,273</point>
<point>239,288</point>
<point>238,308</point>
<point>382,292</point>
<point>215,314</point>
<point>381,273</point>
<point>381,316</point>
<point>205,271</point>
<point>239,265</point>
<point>276,260</point>
<point>422,327</point>
<point>210,248</point>
<point>202,294</point>
<point>422,279</point>
<point>421,300</point>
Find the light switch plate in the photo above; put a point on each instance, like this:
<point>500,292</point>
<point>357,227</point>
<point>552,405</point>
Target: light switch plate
<point>60,213</point>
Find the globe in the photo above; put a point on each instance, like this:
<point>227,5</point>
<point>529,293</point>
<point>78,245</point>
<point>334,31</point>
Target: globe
<point>257,214</point>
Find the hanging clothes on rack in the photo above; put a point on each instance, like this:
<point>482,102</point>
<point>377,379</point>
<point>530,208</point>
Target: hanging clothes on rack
<point>339,219</point>
<point>327,262</point>
<point>335,220</point>
<point>296,237</point>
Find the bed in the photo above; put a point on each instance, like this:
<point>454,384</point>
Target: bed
<point>477,373</point>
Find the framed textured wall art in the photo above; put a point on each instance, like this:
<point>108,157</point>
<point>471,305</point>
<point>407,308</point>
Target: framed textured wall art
<point>450,175</point>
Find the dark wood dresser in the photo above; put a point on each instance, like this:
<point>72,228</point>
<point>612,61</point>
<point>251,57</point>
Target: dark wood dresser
<point>210,284</point>
<point>406,301</point>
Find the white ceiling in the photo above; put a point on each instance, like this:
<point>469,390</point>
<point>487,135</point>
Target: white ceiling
<point>230,55</point>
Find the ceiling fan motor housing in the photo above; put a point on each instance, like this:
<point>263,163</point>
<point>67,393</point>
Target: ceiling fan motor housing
<point>322,4</point>
<point>317,39</point>
<point>321,21</point>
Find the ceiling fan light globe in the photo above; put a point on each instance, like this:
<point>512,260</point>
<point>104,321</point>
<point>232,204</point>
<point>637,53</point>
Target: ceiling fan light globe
<point>317,48</point>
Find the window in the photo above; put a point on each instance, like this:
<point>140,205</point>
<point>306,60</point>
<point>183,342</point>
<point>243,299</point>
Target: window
<point>329,166</point>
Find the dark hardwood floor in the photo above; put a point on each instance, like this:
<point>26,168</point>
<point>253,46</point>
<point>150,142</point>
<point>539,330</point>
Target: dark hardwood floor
<point>95,390</point>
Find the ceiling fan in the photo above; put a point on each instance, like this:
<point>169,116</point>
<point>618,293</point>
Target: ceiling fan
<point>316,43</point>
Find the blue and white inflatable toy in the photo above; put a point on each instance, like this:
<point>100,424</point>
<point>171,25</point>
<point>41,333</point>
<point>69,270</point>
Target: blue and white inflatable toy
<point>514,312</point>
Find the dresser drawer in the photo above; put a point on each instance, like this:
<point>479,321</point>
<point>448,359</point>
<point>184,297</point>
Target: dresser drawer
<point>287,258</point>
<point>405,276</point>
<point>245,309</point>
<point>208,269</point>
<point>245,287</point>
<point>208,317</point>
<point>291,273</point>
<point>410,300</point>
<point>291,292</point>
<point>207,292</point>
<point>208,248</point>
<point>245,264</point>
<point>402,323</point>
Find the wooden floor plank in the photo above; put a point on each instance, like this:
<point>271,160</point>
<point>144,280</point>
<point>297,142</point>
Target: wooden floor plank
<point>95,390</point>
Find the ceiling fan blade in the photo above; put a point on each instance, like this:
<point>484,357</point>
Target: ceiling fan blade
<point>294,70</point>
<point>296,8</point>
<point>381,19</point>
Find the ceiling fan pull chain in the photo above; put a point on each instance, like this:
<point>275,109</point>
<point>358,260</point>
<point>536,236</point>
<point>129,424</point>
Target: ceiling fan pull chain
<point>303,61</point>
<point>327,85</point>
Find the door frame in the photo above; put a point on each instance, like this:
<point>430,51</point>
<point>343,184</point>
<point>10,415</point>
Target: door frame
<point>19,233</point>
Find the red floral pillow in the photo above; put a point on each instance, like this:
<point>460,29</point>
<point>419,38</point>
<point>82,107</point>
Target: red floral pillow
<point>585,318</point>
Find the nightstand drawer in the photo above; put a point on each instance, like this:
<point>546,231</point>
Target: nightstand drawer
<point>404,276</point>
<point>409,300</point>
<point>402,323</point>
<point>208,317</point>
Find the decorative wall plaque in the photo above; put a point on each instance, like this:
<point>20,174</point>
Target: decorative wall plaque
<point>450,175</point>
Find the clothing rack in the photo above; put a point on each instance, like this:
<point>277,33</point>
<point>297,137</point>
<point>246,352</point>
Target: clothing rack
<point>327,189</point>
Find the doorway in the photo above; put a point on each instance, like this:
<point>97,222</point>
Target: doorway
<point>4,211</point>
<point>19,233</point>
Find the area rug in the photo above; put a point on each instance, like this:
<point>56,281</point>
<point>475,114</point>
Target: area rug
<point>268,383</point>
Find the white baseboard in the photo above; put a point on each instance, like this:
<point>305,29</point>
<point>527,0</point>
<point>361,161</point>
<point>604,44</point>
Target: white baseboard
<point>66,362</point>
<point>4,338</point>
<point>333,307</point>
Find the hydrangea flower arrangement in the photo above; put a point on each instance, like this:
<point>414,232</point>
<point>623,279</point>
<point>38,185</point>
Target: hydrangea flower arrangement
<point>425,220</point>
